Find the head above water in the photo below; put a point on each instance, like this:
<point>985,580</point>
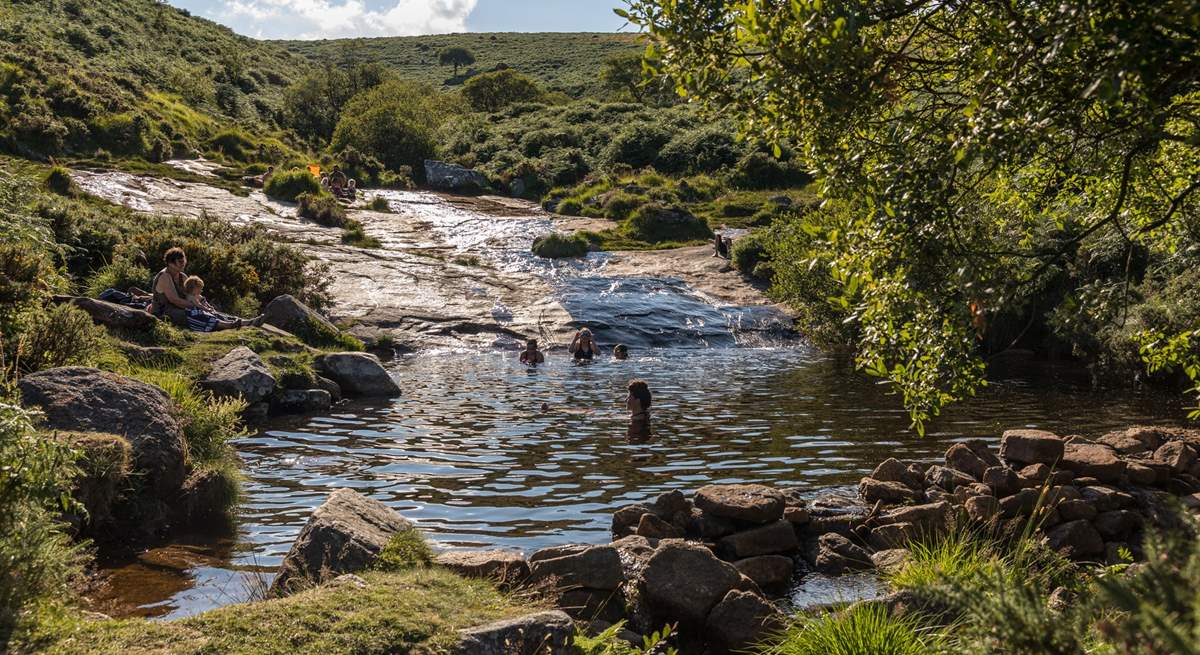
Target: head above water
<point>585,333</point>
<point>621,351</point>
<point>640,390</point>
<point>531,344</point>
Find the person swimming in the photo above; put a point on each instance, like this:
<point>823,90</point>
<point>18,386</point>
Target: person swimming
<point>638,403</point>
<point>620,351</point>
<point>531,355</point>
<point>583,346</point>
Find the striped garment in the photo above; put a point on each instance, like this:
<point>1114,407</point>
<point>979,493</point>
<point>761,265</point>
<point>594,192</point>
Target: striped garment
<point>200,320</point>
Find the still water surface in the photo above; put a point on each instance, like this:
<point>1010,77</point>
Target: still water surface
<point>469,453</point>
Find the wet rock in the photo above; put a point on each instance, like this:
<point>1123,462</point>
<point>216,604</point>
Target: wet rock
<point>767,571</point>
<point>330,387</point>
<point>777,537</point>
<point>257,413</point>
<point>893,470</point>
<point>300,401</point>
<point>503,566</point>
<point>452,177</point>
<point>358,374</point>
<point>1117,524</point>
<point>625,520</point>
<point>548,633</point>
<point>961,458</point>
<point>893,535</point>
<point>111,314</point>
<point>892,559</point>
<point>671,503</point>
<point>837,554</point>
<point>634,552</point>
<point>343,535</point>
<point>1076,539</point>
<point>1002,480</point>
<point>982,508</point>
<point>294,317</point>
<point>753,503</point>
<point>1176,454</point>
<point>79,399</point>
<point>1100,462</point>
<point>889,493</point>
<point>241,373</point>
<point>842,524</point>
<point>946,478</point>
<point>1031,447</point>
<point>594,567</point>
<point>931,516</point>
<point>742,619</point>
<point>652,527</point>
<point>683,582</point>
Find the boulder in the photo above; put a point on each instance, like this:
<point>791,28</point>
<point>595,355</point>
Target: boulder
<point>293,316</point>
<point>707,526</point>
<point>329,386</point>
<point>947,479</point>
<point>1074,510</point>
<point>796,515</point>
<point>111,314</point>
<point>358,374</point>
<point>982,508</point>
<point>550,633</point>
<point>837,554</point>
<point>552,552</point>
<point>585,604</point>
<point>652,527</point>
<point>893,535</point>
<point>452,177</point>
<point>743,619</point>
<point>79,399</point>
<point>1117,524</point>
<point>241,373</point>
<point>1031,447</point>
<point>891,559</point>
<point>1033,475</point>
<point>930,517</point>
<point>1132,441</point>
<point>503,566</point>
<point>753,503</point>
<point>344,535</point>
<point>961,458</point>
<point>300,401</point>
<point>1141,474</point>
<point>777,537</point>
<point>1176,454</point>
<point>888,493</point>
<point>1093,460</point>
<point>1076,539</point>
<point>893,470</point>
<point>1105,498</point>
<point>670,504</point>
<point>594,567</point>
<point>983,451</point>
<point>683,582</point>
<point>634,551</point>
<point>1019,504</point>
<point>767,571</point>
<point>1002,480</point>
<point>626,519</point>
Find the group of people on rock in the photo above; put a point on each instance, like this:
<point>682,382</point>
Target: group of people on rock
<point>259,181</point>
<point>338,184</point>
<point>583,349</point>
<point>179,298</point>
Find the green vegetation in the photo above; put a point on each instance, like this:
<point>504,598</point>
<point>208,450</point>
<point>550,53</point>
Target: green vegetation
<point>416,611</point>
<point>491,92</point>
<point>456,56</point>
<point>288,186</point>
<point>556,245</point>
<point>321,207</point>
<point>379,204</point>
<point>655,223</point>
<point>859,630</point>
<point>405,550</point>
<point>394,122</point>
<point>1048,203</point>
<point>566,63</point>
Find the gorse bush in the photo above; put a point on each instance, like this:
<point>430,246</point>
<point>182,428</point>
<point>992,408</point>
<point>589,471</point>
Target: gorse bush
<point>288,185</point>
<point>557,245</point>
<point>637,146</point>
<point>404,550</point>
<point>395,123</point>
<point>60,335</point>
<point>496,90</point>
<point>655,223</point>
<point>322,208</point>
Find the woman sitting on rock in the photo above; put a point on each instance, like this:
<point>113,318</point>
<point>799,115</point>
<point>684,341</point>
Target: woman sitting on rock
<point>638,404</point>
<point>167,295</point>
<point>203,317</point>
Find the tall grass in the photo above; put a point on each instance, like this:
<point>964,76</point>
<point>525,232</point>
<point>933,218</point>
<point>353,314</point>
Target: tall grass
<point>864,629</point>
<point>208,422</point>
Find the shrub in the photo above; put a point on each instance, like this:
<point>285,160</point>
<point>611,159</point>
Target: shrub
<point>494,91</point>
<point>569,207</point>
<point>862,629</point>
<point>619,205</point>
<point>758,170</point>
<point>354,235</point>
<point>233,144</point>
<point>288,185</point>
<point>702,150</point>
<point>121,274</point>
<point>208,422</point>
<point>655,224</point>
<point>59,181</point>
<point>395,122</point>
<point>556,245</point>
<point>380,204</point>
<point>61,335</point>
<point>404,550</point>
<point>637,145</point>
<point>322,208</point>
<point>748,252</point>
<point>536,142</point>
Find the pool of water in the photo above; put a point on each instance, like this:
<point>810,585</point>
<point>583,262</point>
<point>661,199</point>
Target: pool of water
<point>482,452</point>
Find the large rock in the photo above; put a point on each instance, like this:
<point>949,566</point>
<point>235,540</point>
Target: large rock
<point>946,478</point>
<point>753,503</point>
<point>930,517</point>
<point>1031,447</point>
<point>1002,480</point>
<point>1076,539</point>
<point>1176,454</point>
<point>358,374</point>
<point>240,373</point>
<point>961,458</point>
<point>79,399</point>
<point>112,314</point>
<point>893,470</point>
<point>452,177</point>
<point>594,567</point>
<point>626,519</point>
<point>1133,440</point>
<point>291,315</point>
<point>894,535</point>
<point>837,554</point>
<point>683,582</point>
<point>743,619</point>
<point>1093,460</point>
<point>767,571</point>
<point>300,401</point>
<point>1117,524</point>
<point>889,493</point>
<point>343,535</point>
<point>777,537</point>
<point>544,633</point>
<point>503,566</point>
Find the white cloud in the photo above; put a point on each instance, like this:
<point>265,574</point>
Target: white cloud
<point>331,19</point>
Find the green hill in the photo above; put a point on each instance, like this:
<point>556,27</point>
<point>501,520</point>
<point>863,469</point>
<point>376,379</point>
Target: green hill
<point>566,62</point>
<point>131,78</point>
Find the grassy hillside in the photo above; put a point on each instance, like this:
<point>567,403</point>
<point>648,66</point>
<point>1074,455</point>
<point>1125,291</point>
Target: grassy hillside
<point>131,78</point>
<point>566,62</point>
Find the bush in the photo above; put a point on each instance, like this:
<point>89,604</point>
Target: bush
<point>59,181</point>
<point>288,185</point>
<point>61,335</point>
<point>556,245</point>
<point>748,252</point>
<point>702,150</point>
<point>380,204</point>
<point>322,208</point>
<point>655,224</point>
<point>208,422</point>
<point>494,91</point>
<point>233,144</point>
<point>758,170</point>
<point>637,145</point>
<point>354,235</point>
<point>404,550</point>
<point>620,205</point>
<point>569,207</point>
<point>121,274</point>
<point>395,122</point>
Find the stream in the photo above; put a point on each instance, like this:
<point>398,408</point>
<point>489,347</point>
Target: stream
<point>482,452</point>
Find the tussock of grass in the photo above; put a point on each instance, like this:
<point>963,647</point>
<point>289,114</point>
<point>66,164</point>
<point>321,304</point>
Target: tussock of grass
<point>864,629</point>
<point>556,245</point>
<point>405,550</point>
<point>415,611</point>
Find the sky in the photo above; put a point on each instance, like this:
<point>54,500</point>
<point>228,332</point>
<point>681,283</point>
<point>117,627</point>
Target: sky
<point>330,19</point>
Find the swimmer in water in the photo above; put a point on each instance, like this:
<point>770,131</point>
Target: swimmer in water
<point>620,351</point>
<point>531,356</point>
<point>638,403</point>
<point>583,346</point>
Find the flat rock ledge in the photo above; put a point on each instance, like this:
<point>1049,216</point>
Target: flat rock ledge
<point>543,633</point>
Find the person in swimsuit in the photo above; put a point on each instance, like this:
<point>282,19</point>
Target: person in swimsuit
<point>638,403</point>
<point>531,355</point>
<point>583,346</point>
<point>167,295</point>
<point>621,351</point>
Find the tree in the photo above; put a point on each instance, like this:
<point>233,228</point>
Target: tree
<point>625,74</point>
<point>394,122</point>
<point>977,149</point>
<point>457,57</point>
<point>496,90</point>
<point>313,104</point>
